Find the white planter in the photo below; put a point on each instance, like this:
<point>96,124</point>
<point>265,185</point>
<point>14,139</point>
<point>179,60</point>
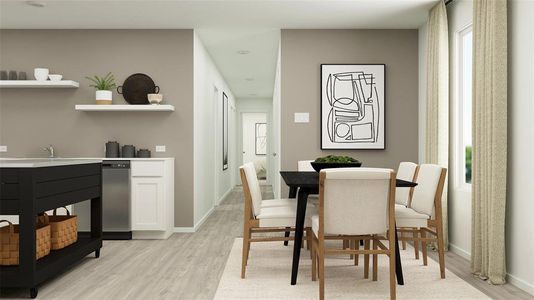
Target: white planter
<point>104,97</point>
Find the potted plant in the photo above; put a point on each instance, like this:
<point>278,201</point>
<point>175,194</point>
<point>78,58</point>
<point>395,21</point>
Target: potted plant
<point>103,86</point>
<point>335,161</point>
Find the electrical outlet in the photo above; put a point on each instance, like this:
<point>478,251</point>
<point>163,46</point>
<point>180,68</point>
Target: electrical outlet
<point>160,148</point>
<point>3,148</point>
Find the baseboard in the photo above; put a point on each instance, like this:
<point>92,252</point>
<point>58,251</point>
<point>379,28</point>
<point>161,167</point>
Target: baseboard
<point>461,252</point>
<point>184,229</point>
<point>204,218</point>
<point>520,283</point>
<point>224,196</point>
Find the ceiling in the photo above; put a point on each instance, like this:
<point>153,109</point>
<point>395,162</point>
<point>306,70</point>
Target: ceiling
<point>224,26</point>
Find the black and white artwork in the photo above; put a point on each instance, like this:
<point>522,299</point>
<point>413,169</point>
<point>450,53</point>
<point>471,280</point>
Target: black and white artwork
<point>225,131</point>
<point>261,139</point>
<point>353,106</point>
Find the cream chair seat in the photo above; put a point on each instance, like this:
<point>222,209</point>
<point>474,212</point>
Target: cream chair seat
<point>283,216</point>
<point>261,219</point>
<point>355,204</point>
<point>280,202</point>
<point>424,216</point>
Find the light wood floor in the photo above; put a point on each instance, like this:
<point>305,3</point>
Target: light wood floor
<point>186,266</point>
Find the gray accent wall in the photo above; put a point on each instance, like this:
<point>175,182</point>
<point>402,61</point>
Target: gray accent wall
<point>33,118</point>
<point>303,51</point>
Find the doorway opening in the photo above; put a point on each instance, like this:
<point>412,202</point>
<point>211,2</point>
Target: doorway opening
<point>255,142</point>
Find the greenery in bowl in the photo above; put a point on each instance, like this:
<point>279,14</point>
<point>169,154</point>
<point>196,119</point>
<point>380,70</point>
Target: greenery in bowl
<point>336,159</point>
<point>106,83</point>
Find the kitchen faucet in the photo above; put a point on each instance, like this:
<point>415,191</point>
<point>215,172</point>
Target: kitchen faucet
<point>50,149</point>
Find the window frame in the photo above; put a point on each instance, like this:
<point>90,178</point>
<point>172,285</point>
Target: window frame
<point>459,148</point>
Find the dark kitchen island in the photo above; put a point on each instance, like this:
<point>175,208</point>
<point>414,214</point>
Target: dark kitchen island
<point>32,186</point>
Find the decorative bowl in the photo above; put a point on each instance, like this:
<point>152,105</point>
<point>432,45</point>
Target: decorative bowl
<point>318,166</point>
<point>155,99</point>
<point>55,77</point>
<point>40,74</point>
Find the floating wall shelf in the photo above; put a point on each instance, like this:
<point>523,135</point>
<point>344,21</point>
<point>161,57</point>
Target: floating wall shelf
<point>20,84</point>
<point>127,107</point>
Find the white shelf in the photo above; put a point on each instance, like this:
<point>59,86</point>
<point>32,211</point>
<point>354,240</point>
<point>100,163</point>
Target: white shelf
<point>38,84</point>
<point>127,107</point>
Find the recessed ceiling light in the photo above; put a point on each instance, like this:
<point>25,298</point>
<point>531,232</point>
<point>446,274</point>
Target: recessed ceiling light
<point>253,94</point>
<point>36,3</point>
<point>243,52</point>
<point>249,79</point>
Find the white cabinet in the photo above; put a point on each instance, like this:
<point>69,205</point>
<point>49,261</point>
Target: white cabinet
<point>148,206</point>
<point>152,192</point>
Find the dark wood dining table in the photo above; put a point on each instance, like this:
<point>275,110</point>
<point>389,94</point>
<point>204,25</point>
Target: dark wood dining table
<point>307,183</point>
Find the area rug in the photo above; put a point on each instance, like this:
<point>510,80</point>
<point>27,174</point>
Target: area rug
<point>269,271</point>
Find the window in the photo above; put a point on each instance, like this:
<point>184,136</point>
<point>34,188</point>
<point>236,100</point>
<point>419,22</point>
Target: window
<point>464,94</point>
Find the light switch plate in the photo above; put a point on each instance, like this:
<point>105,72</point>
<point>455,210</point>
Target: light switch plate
<point>161,148</point>
<point>302,117</point>
<point>3,148</point>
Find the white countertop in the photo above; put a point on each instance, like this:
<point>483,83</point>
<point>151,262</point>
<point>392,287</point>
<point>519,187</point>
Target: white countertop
<point>44,162</point>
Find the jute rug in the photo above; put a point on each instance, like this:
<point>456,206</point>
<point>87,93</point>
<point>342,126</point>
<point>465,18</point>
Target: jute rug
<point>269,271</point>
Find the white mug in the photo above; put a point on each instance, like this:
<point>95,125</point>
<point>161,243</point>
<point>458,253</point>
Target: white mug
<point>40,74</point>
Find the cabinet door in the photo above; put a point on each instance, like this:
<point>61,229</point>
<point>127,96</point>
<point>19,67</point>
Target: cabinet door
<point>148,206</point>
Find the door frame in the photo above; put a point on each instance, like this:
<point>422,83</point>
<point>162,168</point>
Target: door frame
<point>240,138</point>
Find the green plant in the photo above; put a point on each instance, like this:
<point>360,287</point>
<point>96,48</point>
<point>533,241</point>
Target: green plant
<point>468,163</point>
<point>105,83</point>
<point>336,159</point>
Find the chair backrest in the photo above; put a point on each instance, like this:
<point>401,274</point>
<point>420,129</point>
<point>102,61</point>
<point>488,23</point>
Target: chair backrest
<point>251,187</point>
<point>406,171</point>
<point>356,201</point>
<point>305,166</point>
<point>430,181</point>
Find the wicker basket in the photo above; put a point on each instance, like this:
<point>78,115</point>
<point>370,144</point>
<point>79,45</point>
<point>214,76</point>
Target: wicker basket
<point>63,229</point>
<point>9,243</point>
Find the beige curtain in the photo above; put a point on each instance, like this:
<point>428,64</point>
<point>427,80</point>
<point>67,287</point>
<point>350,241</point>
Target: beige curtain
<point>437,94</point>
<point>489,139</point>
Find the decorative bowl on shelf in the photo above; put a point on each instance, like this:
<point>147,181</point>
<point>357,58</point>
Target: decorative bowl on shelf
<point>333,161</point>
<point>155,99</point>
<point>55,77</point>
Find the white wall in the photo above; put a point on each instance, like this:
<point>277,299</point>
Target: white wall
<point>249,121</point>
<point>520,200</point>
<point>460,15</point>
<point>276,134</point>
<point>211,183</point>
<point>252,105</point>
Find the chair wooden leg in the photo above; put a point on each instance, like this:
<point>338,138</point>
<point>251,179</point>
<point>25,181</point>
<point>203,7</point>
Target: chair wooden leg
<point>366,260</point>
<point>309,238</point>
<point>441,250</point>
<point>416,243</point>
<point>424,247</point>
<point>246,249</point>
<point>356,256</point>
<point>375,260</point>
<point>351,246</point>
<point>321,269</point>
<point>392,274</point>
<point>403,242</point>
<point>314,258</point>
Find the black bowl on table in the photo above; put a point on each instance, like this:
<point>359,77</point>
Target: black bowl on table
<point>318,166</point>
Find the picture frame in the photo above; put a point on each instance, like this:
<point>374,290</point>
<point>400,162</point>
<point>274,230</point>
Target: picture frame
<point>353,104</point>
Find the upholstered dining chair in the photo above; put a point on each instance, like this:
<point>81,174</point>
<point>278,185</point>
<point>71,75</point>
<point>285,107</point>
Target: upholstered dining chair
<point>424,214</point>
<point>264,219</point>
<point>407,171</point>
<point>355,203</point>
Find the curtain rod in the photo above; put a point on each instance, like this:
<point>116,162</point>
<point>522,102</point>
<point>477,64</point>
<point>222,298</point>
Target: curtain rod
<point>447,2</point>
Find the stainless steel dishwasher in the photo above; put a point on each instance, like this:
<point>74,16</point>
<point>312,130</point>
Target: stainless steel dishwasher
<point>116,218</point>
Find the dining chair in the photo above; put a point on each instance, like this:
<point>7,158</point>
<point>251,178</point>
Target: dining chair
<point>262,219</point>
<point>359,204</point>
<point>407,171</point>
<point>424,214</point>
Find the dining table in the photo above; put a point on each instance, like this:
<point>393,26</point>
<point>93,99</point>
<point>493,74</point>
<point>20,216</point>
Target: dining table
<point>304,183</point>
